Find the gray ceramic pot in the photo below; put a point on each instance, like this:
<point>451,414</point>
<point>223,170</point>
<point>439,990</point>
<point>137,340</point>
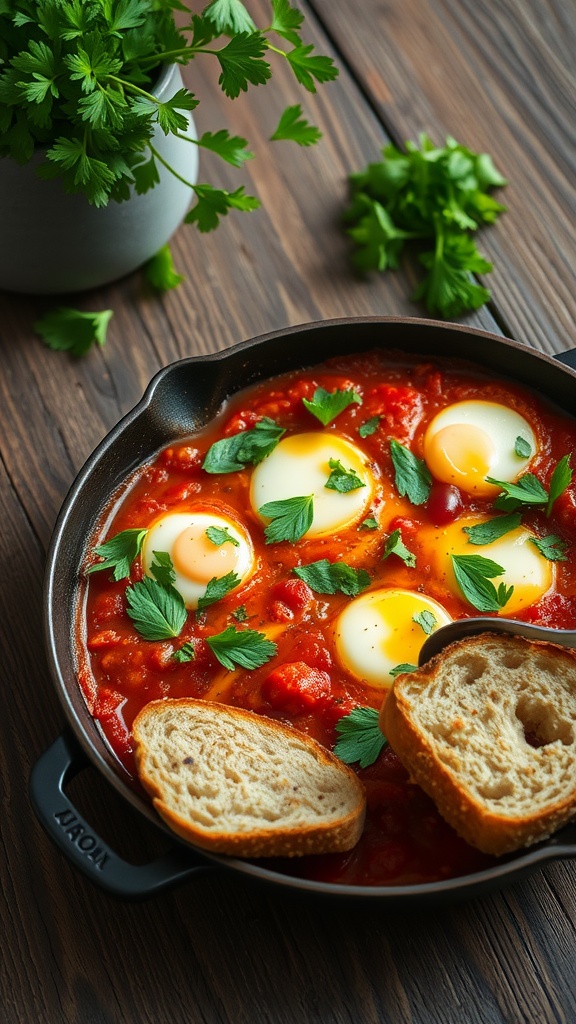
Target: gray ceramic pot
<point>52,242</point>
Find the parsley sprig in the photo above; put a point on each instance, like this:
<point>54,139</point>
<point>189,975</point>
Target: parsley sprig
<point>290,518</point>
<point>78,79</point>
<point>474,575</point>
<point>118,553</point>
<point>326,577</point>
<point>246,648</point>
<point>231,454</point>
<point>359,737</point>
<point>327,405</point>
<point>438,196</point>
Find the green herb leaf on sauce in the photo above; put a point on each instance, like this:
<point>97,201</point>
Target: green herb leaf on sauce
<point>369,427</point>
<point>474,574</point>
<point>485,533</point>
<point>290,518</point>
<point>551,547</point>
<point>342,480</point>
<point>369,524</point>
<point>219,535</point>
<point>412,476</point>
<point>398,670</point>
<point>427,620</point>
<point>231,454</point>
<point>327,405</point>
<point>526,491</point>
<point>395,546</point>
<point>118,553</point>
<point>243,647</point>
<point>561,479</point>
<point>162,569</point>
<point>326,577</point>
<point>217,588</point>
<point>185,653</point>
<point>360,739</point>
<point>158,612</point>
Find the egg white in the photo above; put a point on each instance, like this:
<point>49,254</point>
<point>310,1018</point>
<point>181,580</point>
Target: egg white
<point>299,466</point>
<point>205,560</point>
<point>376,632</point>
<point>468,441</point>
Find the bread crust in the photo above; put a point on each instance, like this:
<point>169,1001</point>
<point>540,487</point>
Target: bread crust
<point>491,831</point>
<point>337,835</point>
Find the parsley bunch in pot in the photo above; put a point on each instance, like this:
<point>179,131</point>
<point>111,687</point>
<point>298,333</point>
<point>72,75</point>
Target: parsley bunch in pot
<point>98,147</point>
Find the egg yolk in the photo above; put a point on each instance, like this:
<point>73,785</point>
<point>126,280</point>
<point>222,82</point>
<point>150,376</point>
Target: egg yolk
<point>383,629</point>
<point>462,454</point>
<point>198,558</point>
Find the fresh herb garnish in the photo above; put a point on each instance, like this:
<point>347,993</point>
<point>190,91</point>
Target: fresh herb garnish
<point>327,405</point>
<point>426,619</point>
<point>551,547</point>
<point>158,612</point>
<point>231,454</point>
<point>185,653</point>
<point>435,195</point>
<point>395,546</point>
<point>326,577</point>
<point>217,588</point>
<point>485,533</point>
<point>243,647</point>
<point>561,479</point>
<point>118,553</point>
<point>70,330</point>
<point>398,670</point>
<point>412,476</point>
<point>369,524</point>
<point>522,448</point>
<point>290,518</point>
<point>342,480</point>
<point>219,535</point>
<point>369,427</point>
<point>474,574</point>
<point>529,491</point>
<point>240,613</point>
<point>526,491</point>
<point>360,739</point>
<point>162,569</point>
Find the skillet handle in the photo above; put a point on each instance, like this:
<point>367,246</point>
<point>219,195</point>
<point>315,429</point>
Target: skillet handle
<point>78,841</point>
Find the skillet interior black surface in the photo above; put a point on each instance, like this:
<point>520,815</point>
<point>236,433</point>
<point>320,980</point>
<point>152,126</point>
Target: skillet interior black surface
<point>182,398</point>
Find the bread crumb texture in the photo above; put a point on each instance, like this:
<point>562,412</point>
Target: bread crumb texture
<point>488,728</point>
<point>234,781</point>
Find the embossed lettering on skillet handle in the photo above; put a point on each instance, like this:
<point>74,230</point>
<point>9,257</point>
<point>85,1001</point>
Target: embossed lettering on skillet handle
<point>83,847</point>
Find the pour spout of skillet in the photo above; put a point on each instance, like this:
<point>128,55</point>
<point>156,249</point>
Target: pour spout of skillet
<point>461,628</point>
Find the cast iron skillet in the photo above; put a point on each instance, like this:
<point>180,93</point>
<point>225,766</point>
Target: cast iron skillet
<point>180,399</point>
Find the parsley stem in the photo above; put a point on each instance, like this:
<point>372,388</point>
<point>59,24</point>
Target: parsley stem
<point>168,167</point>
<point>134,88</point>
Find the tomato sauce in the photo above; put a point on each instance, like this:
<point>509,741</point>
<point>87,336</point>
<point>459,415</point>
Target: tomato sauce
<point>304,684</point>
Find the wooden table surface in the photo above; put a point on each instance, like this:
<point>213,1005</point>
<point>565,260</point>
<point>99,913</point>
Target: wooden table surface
<point>499,76</point>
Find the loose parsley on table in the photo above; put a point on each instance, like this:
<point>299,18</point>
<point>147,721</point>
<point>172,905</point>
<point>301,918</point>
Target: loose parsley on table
<point>436,197</point>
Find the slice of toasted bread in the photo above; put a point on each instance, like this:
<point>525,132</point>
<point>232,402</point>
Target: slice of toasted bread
<point>488,729</point>
<point>235,782</point>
